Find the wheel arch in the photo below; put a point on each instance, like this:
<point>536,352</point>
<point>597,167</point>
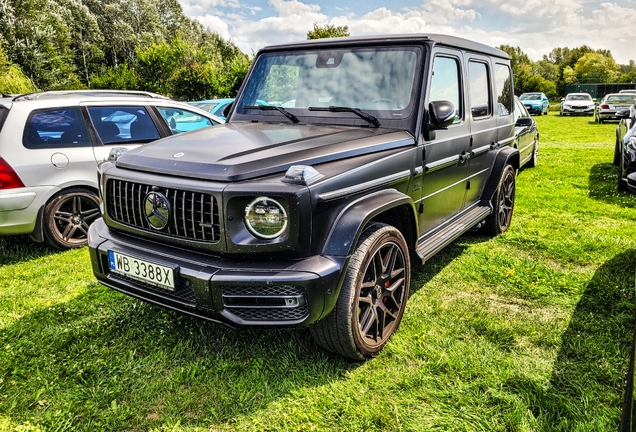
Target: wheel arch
<point>507,156</point>
<point>388,206</point>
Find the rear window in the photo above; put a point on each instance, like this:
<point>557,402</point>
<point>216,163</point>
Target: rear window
<point>56,128</point>
<point>123,124</point>
<point>4,112</point>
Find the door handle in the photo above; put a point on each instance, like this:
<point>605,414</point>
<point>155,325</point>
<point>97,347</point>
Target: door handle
<point>463,157</point>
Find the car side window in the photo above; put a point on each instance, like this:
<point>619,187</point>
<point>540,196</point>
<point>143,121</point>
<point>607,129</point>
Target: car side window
<point>4,112</point>
<point>123,124</point>
<point>480,104</point>
<point>520,111</point>
<point>503,83</point>
<point>180,120</point>
<point>446,84</point>
<point>56,128</point>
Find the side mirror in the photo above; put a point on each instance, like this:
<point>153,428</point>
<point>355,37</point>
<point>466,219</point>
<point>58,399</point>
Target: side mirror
<point>622,114</point>
<point>562,99</point>
<point>441,114</point>
<point>524,121</point>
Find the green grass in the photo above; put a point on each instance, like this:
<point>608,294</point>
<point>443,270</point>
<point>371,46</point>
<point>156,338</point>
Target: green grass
<point>529,331</point>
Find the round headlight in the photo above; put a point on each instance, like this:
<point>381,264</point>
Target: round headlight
<point>265,218</point>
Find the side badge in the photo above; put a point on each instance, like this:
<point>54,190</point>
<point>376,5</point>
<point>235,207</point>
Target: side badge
<point>178,155</point>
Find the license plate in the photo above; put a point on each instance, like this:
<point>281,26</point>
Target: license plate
<point>142,270</point>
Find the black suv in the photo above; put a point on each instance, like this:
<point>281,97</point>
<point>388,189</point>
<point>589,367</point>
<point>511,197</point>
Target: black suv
<point>342,161</point>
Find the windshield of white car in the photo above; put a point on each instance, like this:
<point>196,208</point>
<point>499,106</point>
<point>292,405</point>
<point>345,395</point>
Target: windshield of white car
<point>530,96</point>
<point>622,99</point>
<point>578,97</point>
<point>377,80</point>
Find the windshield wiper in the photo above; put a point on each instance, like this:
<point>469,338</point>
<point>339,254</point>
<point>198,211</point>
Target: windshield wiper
<point>287,114</point>
<point>368,117</point>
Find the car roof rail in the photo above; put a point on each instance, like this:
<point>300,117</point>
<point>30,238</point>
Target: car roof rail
<point>88,92</point>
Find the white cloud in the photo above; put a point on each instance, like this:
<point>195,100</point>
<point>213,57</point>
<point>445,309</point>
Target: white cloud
<point>535,26</point>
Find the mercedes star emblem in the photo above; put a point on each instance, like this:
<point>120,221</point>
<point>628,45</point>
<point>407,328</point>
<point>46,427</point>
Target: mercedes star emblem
<point>157,209</point>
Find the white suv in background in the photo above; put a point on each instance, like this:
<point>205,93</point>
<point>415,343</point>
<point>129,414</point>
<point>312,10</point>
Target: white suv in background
<point>51,143</point>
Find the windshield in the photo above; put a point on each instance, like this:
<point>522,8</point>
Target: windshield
<point>623,99</point>
<point>376,80</point>
<point>581,97</point>
<point>530,96</point>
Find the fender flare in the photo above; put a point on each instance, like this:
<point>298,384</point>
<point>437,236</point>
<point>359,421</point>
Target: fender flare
<point>507,156</point>
<point>348,226</point>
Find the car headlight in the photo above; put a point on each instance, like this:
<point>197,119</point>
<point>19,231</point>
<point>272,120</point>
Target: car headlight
<point>266,218</point>
<point>566,105</point>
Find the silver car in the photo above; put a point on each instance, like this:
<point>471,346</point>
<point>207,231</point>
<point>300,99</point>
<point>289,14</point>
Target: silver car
<point>51,143</point>
<point>577,104</point>
<point>606,109</point>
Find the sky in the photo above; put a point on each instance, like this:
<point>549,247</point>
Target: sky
<point>536,26</point>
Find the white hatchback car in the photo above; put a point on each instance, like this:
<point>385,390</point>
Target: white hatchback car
<point>51,143</point>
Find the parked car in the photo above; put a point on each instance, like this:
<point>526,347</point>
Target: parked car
<point>51,142</point>
<point>625,150</point>
<point>535,102</point>
<point>526,135</point>
<point>310,215</point>
<point>577,104</point>
<point>213,106</point>
<point>606,109</point>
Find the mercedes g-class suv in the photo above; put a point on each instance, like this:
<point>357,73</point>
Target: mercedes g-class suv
<point>372,153</point>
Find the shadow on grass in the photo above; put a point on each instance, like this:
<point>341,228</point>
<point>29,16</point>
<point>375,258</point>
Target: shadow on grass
<point>602,186</point>
<point>593,356</point>
<point>106,361</point>
<point>20,248</point>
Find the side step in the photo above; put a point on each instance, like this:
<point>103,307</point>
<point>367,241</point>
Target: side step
<point>432,244</point>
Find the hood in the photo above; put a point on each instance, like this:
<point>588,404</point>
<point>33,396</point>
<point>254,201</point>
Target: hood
<point>240,151</point>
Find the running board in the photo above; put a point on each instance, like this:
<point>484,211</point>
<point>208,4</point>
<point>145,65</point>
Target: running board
<point>429,246</point>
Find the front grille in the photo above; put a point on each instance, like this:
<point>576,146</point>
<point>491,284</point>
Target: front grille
<point>193,215</point>
<point>266,302</point>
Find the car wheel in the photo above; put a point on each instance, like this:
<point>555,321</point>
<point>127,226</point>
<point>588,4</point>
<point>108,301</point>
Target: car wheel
<point>617,154</point>
<point>539,112</point>
<point>535,156</point>
<point>67,217</point>
<point>503,203</point>
<point>372,298</point>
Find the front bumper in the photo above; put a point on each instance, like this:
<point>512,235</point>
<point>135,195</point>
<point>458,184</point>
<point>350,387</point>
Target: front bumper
<point>233,292</point>
<point>534,109</point>
<point>579,111</point>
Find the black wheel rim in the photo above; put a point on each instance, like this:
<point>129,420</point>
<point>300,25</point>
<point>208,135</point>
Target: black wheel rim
<point>382,294</point>
<point>506,200</point>
<point>72,217</point>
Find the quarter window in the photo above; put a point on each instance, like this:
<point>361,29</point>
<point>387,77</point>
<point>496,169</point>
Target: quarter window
<point>503,81</point>
<point>479,90</point>
<point>180,120</point>
<point>445,83</point>
<point>56,128</point>
<point>123,124</point>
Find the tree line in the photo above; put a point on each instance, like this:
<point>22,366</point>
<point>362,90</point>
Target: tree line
<point>153,46</point>
<point>117,44</point>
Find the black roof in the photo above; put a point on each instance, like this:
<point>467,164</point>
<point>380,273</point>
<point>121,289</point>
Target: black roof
<point>391,39</point>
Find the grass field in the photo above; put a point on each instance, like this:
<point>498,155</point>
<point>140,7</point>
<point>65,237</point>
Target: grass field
<point>529,331</point>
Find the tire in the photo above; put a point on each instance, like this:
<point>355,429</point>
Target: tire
<point>540,112</point>
<point>503,203</point>
<point>372,298</point>
<point>535,156</point>
<point>67,217</point>
<point>621,185</point>
<point>617,155</point>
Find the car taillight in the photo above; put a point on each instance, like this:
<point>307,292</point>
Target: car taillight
<point>605,106</point>
<point>8,178</point>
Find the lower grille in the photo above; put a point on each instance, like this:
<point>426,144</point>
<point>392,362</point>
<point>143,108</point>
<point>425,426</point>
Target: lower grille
<point>266,302</point>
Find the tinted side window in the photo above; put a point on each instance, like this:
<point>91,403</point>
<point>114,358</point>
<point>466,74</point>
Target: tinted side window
<point>520,111</point>
<point>4,112</point>
<point>56,128</point>
<point>445,84</point>
<point>503,82</point>
<point>480,105</point>
<point>123,124</point>
<point>180,120</point>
